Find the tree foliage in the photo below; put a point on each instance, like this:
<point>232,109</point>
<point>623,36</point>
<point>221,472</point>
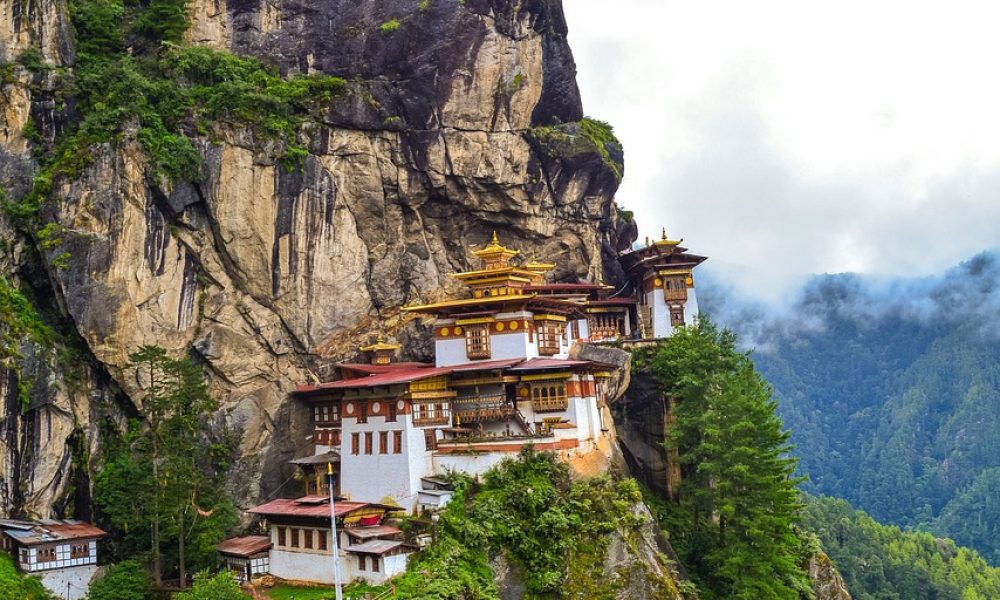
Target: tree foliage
<point>15,586</point>
<point>127,580</point>
<point>166,467</point>
<point>554,530</point>
<point>733,523</point>
<point>218,586</point>
<point>880,562</point>
<point>895,412</point>
<point>132,73</point>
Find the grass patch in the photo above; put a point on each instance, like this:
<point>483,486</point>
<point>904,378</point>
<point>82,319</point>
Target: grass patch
<point>389,26</point>
<point>354,591</point>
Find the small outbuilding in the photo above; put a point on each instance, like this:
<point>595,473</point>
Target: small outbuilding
<point>62,553</point>
<point>246,557</point>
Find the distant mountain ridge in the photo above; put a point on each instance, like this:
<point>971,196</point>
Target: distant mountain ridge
<point>892,391</point>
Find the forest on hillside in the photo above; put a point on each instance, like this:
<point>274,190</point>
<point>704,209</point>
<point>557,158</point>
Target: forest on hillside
<point>892,392</point>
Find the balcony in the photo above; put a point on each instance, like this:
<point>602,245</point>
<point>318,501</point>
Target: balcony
<point>483,408</point>
<point>431,420</point>
<point>677,295</point>
<point>554,404</point>
<point>431,414</point>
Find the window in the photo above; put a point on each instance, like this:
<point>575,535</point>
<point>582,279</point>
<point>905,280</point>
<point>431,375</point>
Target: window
<point>361,562</point>
<point>45,554</point>
<point>307,538</point>
<point>430,439</point>
<point>79,551</point>
<point>281,536</point>
<point>390,415</point>
<point>397,442</point>
<point>674,288</point>
<point>375,564</point>
<point>363,411</point>
<point>477,342</point>
<point>368,442</point>
<point>294,542</point>
<point>383,442</point>
<point>321,545</point>
<point>355,443</point>
<point>549,397</point>
<point>548,340</point>
<point>576,330</point>
<point>676,316</point>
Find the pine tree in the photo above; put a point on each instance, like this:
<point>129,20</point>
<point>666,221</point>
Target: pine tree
<point>165,466</point>
<point>738,503</point>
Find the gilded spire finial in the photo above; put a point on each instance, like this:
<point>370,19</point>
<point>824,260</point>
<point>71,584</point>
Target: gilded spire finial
<point>664,235</point>
<point>496,239</point>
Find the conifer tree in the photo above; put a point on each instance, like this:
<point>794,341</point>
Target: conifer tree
<point>737,504</point>
<point>165,466</point>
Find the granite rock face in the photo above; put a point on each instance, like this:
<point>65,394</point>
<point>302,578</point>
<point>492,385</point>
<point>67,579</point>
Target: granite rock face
<point>266,274</point>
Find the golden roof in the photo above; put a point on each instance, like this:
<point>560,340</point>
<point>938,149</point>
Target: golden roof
<point>380,345</point>
<point>538,267</point>
<point>663,241</point>
<point>494,252</point>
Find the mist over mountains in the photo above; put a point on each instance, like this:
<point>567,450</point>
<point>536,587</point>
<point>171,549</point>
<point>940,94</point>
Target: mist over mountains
<point>891,387</point>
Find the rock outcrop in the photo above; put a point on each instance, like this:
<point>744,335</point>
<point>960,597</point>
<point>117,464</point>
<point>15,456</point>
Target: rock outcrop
<point>265,273</point>
<point>827,582</point>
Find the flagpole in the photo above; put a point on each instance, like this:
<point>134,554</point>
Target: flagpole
<point>333,529</point>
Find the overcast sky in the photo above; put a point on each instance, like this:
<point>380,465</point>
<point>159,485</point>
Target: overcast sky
<point>789,138</point>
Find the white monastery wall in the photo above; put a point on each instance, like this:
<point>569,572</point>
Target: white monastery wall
<point>71,583</point>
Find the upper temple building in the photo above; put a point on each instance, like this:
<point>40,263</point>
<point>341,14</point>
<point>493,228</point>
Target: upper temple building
<point>502,376</point>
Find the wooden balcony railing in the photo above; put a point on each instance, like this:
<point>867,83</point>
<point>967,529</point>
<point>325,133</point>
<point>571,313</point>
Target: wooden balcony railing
<point>482,408</point>
<point>550,404</point>
<point>432,420</point>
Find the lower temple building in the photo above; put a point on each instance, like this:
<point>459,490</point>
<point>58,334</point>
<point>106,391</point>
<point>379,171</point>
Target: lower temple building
<point>300,545</point>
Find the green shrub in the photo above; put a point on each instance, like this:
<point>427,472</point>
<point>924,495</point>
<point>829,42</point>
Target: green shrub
<point>220,586</point>
<point>15,586</point>
<point>127,580</point>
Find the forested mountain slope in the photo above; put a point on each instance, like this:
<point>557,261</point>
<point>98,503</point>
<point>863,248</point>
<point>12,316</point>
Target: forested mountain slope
<point>883,562</point>
<point>892,392</point>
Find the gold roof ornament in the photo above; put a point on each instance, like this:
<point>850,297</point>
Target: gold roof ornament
<point>380,345</point>
<point>494,254</point>
<point>665,241</point>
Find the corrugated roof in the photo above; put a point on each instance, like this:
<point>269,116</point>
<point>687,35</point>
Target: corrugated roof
<point>375,547</point>
<point>245,546</point>
<point>367,533</point>
<point>332,456</point>
<point>314,506</point>
<point>29,533</point>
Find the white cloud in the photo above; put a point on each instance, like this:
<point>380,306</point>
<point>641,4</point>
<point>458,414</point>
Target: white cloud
<point>785,138</point>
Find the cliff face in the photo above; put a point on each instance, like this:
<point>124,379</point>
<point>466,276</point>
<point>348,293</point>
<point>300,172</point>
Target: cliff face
<point>259,270</point>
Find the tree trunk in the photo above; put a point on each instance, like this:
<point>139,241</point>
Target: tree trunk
<point>180,549</point>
